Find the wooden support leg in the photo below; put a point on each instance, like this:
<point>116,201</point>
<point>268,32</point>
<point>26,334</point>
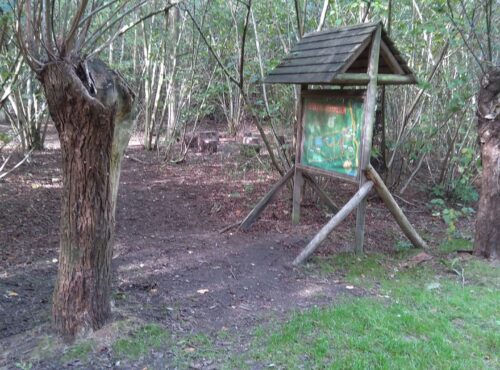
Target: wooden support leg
<point>264,202</point>
<point>337,219</point>
<point>393,207</point>
<point>367,134</point>
<point>298,190</point>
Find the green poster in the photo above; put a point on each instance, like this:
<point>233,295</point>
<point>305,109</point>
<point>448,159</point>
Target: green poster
<point>332,133</point>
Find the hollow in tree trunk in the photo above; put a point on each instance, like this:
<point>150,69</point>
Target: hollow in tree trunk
<point>92,108</point>
<point>487,239</point>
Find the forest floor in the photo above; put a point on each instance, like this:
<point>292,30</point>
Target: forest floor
<point>179,282</point>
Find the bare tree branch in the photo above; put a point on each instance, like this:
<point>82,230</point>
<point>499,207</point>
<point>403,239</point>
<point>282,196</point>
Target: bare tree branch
<point>2,175</point>
<point>47,34</point>
<point>89,16</point>
<point>67,45</point>
<point>472,26</point>
<point>13,74</point>
<point>368,8</point>
<point>323,15</point>
<point>131,25</point>
<point>101,31</point>
<point>461,32</point>
<point>243,42</point>
<point>300,29</point>
<point>210,49</point>
<point>30,59</point>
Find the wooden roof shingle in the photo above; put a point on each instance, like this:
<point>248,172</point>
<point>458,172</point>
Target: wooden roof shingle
<point>319,56</point>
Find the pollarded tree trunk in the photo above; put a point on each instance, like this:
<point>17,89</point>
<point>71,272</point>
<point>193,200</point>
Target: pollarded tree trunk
<point>92,108</point>
<point>487,239</point>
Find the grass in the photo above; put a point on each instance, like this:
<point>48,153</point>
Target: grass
<point>194,349</point>
<point>443,314</point>
<point>183,351</point>
<point>79,351</point>
<point>456,244</point>
<point>422,318</point>
<point>141,341</point>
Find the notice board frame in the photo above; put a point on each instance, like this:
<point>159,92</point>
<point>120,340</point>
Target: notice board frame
<point>358,96</point>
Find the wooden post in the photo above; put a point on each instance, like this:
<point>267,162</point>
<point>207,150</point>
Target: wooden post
<point>263,203</point>
<point>367,133</point>
<point>393,207</point>
<point>335,220</point>
<point>298,179</point>
<point>298,189</point>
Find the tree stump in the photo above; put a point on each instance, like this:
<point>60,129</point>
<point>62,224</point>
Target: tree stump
<point>208,141</point>
<point>191,141</point>
<point>251,145</point>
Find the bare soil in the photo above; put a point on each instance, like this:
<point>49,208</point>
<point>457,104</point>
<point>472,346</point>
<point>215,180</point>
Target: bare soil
<point>172,265</point>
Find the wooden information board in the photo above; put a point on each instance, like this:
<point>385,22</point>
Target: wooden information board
<point>334,135</point>
<point>331,139</point>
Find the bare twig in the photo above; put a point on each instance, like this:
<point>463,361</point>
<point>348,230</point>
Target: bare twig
<point>5,162</point>
<point>210,49</point>
<point>464,39</point>
<point>131,25</point>
<point>415,103</point>
<point>229,227</point>
<point>17,165</point>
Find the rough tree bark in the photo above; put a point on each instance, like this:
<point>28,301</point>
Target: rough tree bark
<point>93,110</point>
<point>487,239</point>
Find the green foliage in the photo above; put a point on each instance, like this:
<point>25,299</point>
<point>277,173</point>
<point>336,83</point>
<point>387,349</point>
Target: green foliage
<point>24,365</point>
<point>450,215</point>
<point>4,138</point>
<point>402,245</point>
<point>458,243</point>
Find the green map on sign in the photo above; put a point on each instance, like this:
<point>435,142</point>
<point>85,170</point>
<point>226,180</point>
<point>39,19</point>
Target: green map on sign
<point>332,134</point>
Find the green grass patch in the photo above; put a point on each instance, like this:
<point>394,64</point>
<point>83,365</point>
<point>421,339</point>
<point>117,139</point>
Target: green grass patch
<point>79,351</point>
<point>366,269</point>
<point>456,244</point>
<point>141,341</point>
<point>195,349</point>
<point>423,318</point>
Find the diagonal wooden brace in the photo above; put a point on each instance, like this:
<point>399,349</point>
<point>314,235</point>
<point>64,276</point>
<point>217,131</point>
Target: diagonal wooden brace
<point>393,207</point>
<point>335,220</point>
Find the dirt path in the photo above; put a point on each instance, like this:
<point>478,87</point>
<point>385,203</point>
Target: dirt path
<point>171,263</point>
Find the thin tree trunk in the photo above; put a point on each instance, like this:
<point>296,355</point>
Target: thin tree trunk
<point>323,15</point>
<point>487,240</point>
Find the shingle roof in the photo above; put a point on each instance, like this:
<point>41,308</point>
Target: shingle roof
<point>319,56</point>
